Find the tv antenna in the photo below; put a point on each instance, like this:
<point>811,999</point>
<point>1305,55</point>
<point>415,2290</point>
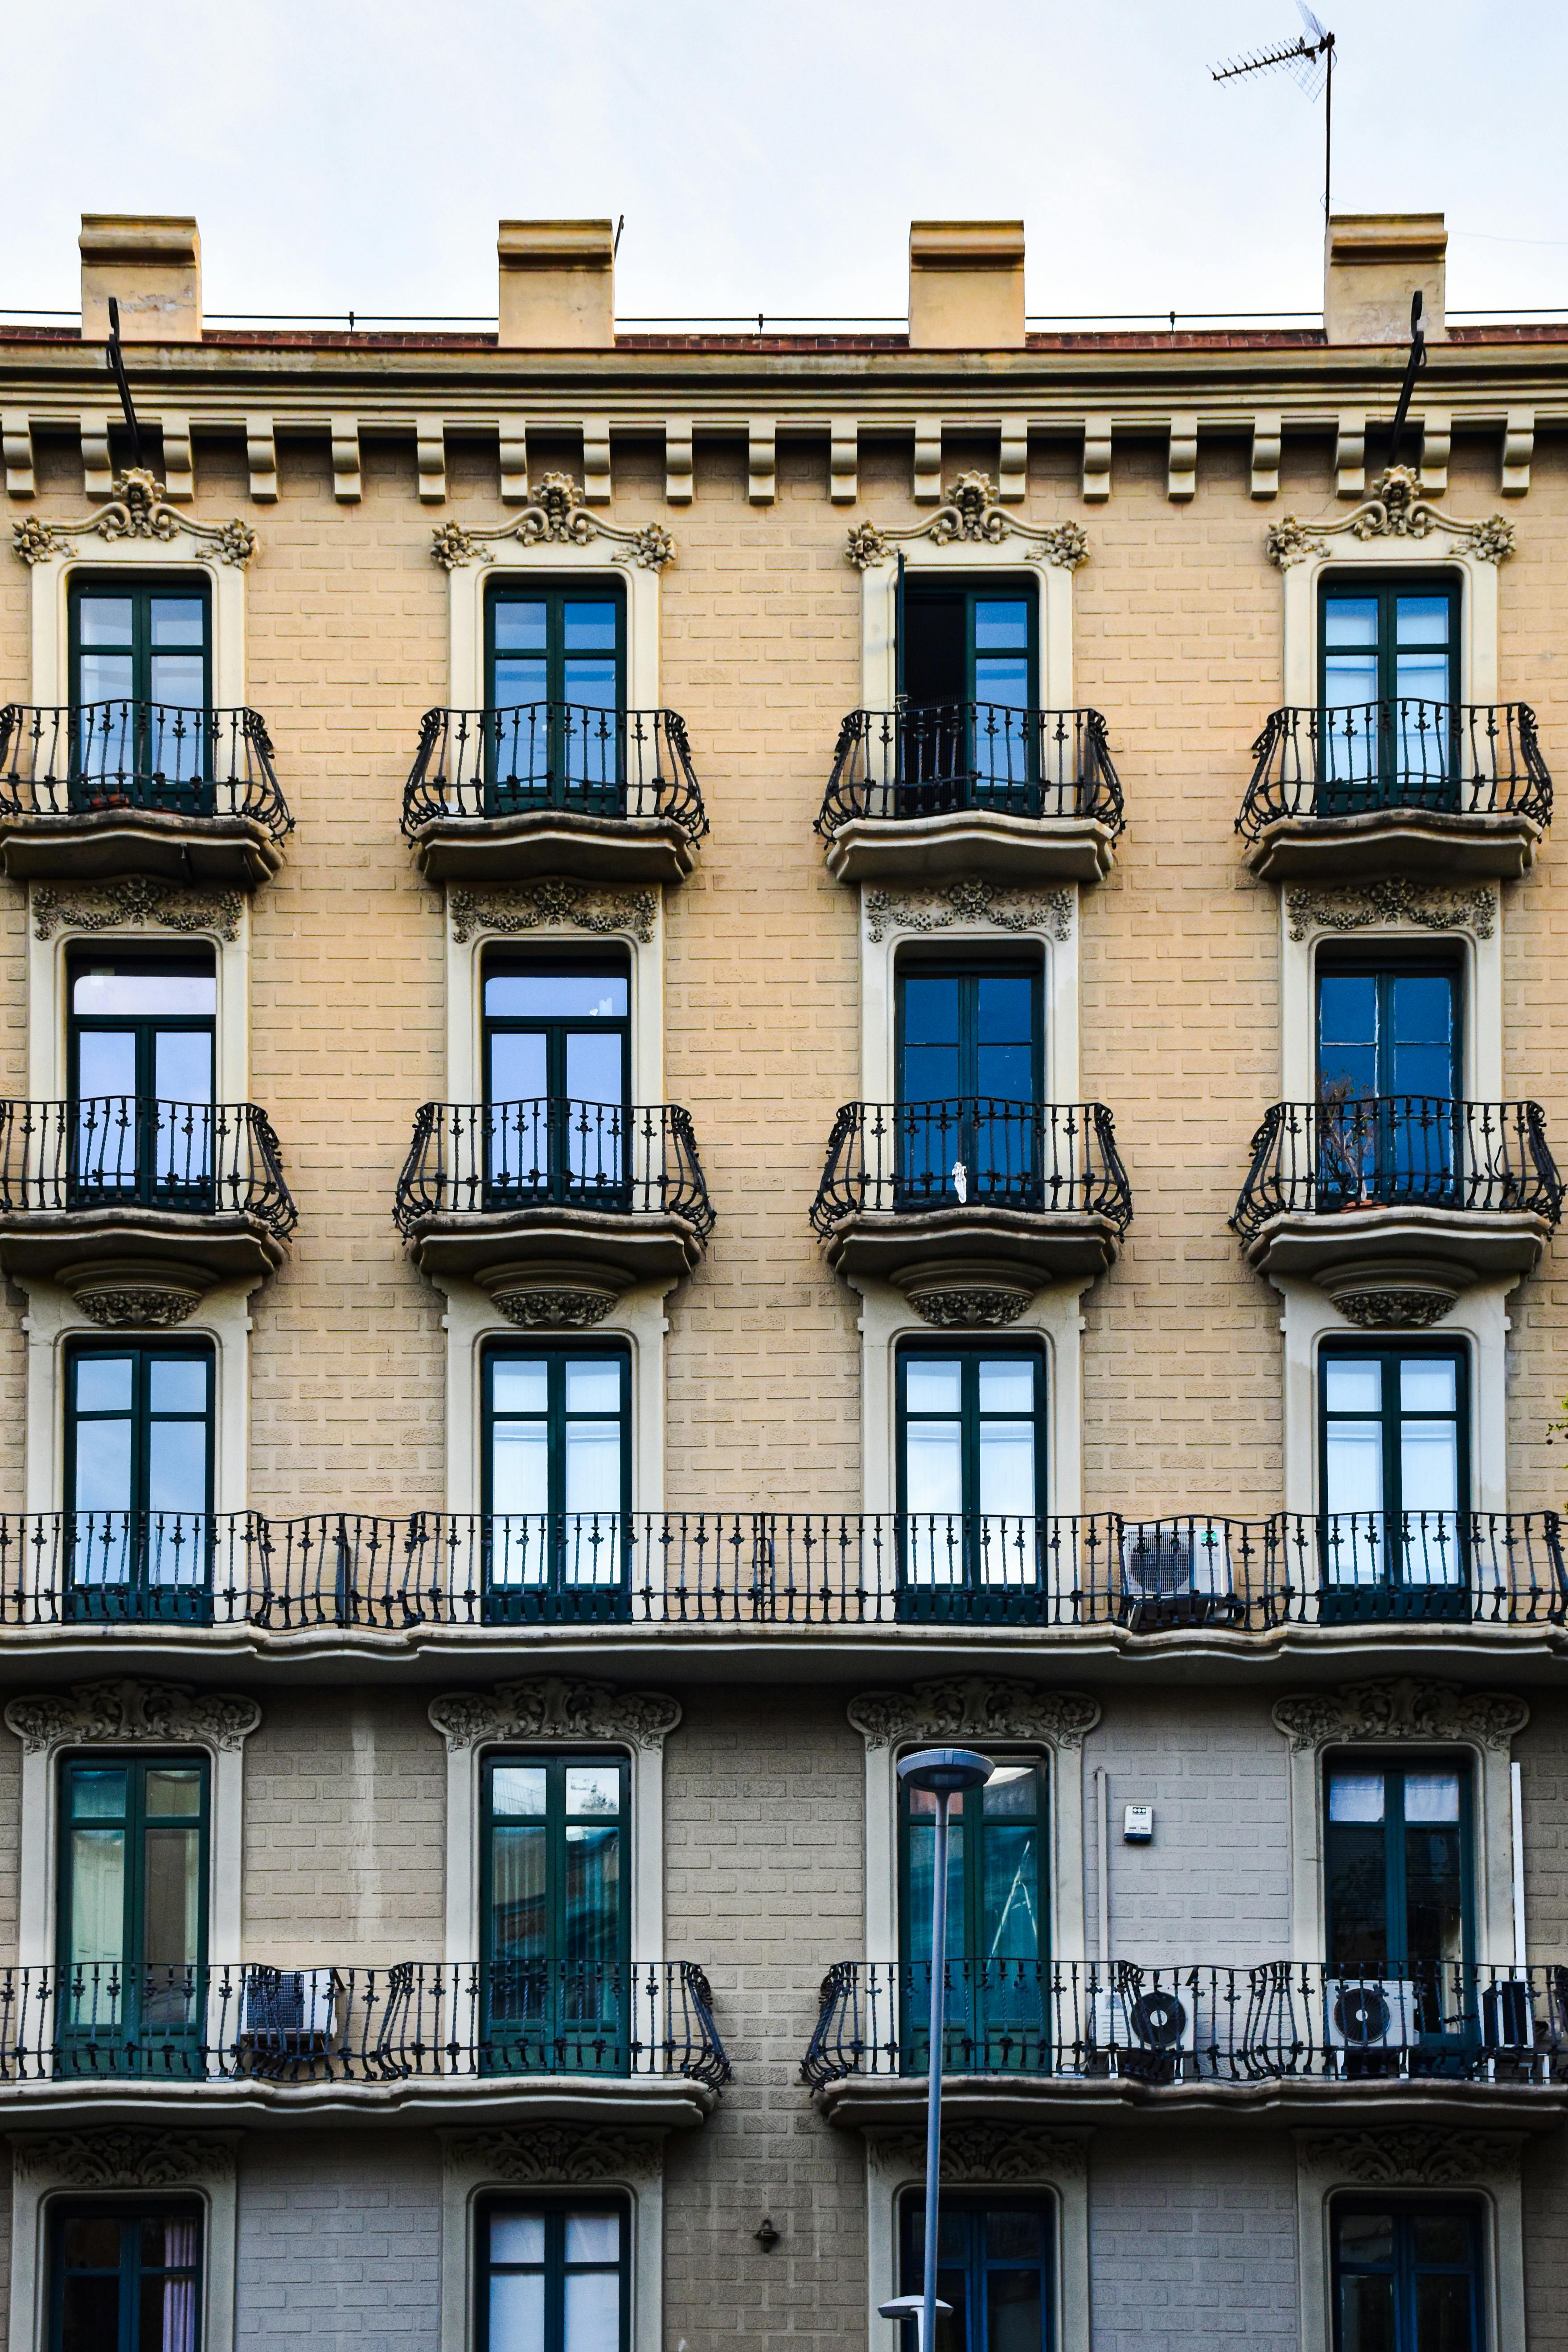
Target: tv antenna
<point>115,359</point>
<point>1311,62</point>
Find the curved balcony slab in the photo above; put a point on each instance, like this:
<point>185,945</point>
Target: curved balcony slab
<point>97,845</point>
<point>936,1253</point>
<point>673,2104</point>
<point>988,843</point>
<point>517,1251</point>
<point>1379,843</point>
<point>863,2103</point>
<point>1366,1251</point>
<point>105,1250</point>
<point>534,843</point>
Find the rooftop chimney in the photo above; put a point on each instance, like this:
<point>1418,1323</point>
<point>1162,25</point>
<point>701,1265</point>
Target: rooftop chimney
<point>152,264</point>
<point>557,285</point>
<point>967,285</point>
<point>1374,262</point>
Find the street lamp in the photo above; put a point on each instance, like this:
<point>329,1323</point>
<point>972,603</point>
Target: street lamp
<point>942,1773</point>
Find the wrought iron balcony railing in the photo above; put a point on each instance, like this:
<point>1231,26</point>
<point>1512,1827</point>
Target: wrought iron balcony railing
<point>1462,758</point>
<point>554,755</point>
<point>159,756</point>
<point>414,2020</point>
<point>361,1571</point>
<point>486,1159</point>
<point>1282,2021</point>
<point>1399,1151</point>
<point>941,758</point>
<point>902,1158</point>
<point>110,1151</point>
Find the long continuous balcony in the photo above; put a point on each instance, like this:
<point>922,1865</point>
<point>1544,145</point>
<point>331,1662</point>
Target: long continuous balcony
<point>114,788</point>
<point>937,792</point>
<point>315,2036</point>
<point>434,1572</point>
<point>1412,1195</point>
<point>589,1196</point>
<point>501,795</point>
<point>118,1189</point>
<point>1282,2033</point>
<point>947,1198</point>
<point>1354,793</point>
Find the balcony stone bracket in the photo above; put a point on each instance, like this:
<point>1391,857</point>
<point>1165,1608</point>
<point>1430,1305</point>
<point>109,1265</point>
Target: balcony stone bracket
<point>93,845</point>
<point>555,1263</point>
<point>942,1259</point>
<point>1385,845</point>
<point>1015,849</point>
<point>474,851</point>
<point>1402,1266</point>
<point>543,1298</point>
<point>135,1296</point>
<point>129,1264</point>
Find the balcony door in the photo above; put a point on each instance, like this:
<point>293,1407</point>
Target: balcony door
<point>1389,1050</point>
<point>140,1045</point>
<point>997,2006</point>
<point>556,1485</point>
<point>133,1916</point>
<point>556,1914</point>
<point>1389,675</point>
<point>555,669</point>
<point>141,671</point>
<point>968,657</point>
<point>1399,1884</point>
<point>970,1480</point>
<point>970,1059</point>
<point>557,1065</point>
<point>993,2272</point>
<point>1407,2275</point>
<point>139,1481</point>
<point>125,2277</point>
<point>1395,1479</point>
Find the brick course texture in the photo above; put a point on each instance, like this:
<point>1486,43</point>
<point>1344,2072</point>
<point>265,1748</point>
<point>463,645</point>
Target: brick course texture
<point>1192,2240</point>
<point>340,2242</point>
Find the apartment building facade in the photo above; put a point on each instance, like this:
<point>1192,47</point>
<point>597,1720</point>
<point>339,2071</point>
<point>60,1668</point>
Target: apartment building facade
<point>722,1053</point>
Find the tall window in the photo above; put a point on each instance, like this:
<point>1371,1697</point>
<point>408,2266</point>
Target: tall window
<point>996,1920</point>
<point>556,1485</point>
<point>1400,1900</point>
<point>141,1038</point>
<point>970,1063</point>
<point>968,661</point>
<point>1394,1478</point>
<point>1389,1075</point>
<point>138,1478</point>
<point>556,1914</point>
<point>125,2278</point>
<point>557,1060</point>
<point>994,2269</point>
<point>555,664</point>
<point>1390,665</point>
<point>972,1463</point>
<point>132,1914</point>
<point>1407,2277</point>
<point>141,686</point>
<point>554,2275</point>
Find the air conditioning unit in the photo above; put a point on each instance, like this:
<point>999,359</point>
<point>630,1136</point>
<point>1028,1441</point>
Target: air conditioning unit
<point>1372,2013</point>
<point>1142,2025</point>
<point>1508,2016</point>
<point>289,2012</point>
<point>1175,1572</point>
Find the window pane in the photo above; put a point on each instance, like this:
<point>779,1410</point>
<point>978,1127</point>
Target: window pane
<point>1013,2311</point>
<point>1012,1789</point>
<point>89,2319</point>
<point>1441,2238</point>
<point>519,1913</point>
<point>1001,627</point>
<point>557,995</point>
<point>1355,1797</point>
<point>592,1896</point>
<point>103,1383</point>
<point>1421,619</point>
<point>102,1465</point>
<point>1429,1466</point>
<point>1008,1466</point>
<point>91,2242</point>
<point>107,678</point>
<point>593,1789</point>
<point>1352,1385</point>
<point>1012,1924</point>
<point>1442,2315</point>
<point>98,1894</point>
<point>1366,2315</point>
<point>592,2237</point>
<point>1007,1385</point>
<point>519,1384</point>
<point>177,1466</point>
<point>104,620</point>
<point>116,994</point>
<point>932,1384</point>
<point>594,1385</point>
<point>520,1468</point>
<point>106,1064</point>
<point>593,2312</point>
<point>178,621</point>
<point>518,1790</point>
<point>169,2314</point>
<point>587,628</point>
<point>178,1383</point>
<point>1005,1004</point>
<point>1428,1384</point>
<point>1366,2237</point>
<point>1431,1797</point>
<point>1350,620</point>
<point>97,1796</point>
<point>171,1905</point>
<point>1354,1466</point>
<point>183,1073</point>
<point>933,1467</point>
<point>595,1066</point>
<point>517,2312</point>
<point>179,680</point>
<point>1013,2235</point>
<point>519,625</point>
<point>174,1795</point>
<point>593,1465</point>
<point>931,1011</point>
<point>517,2237</point>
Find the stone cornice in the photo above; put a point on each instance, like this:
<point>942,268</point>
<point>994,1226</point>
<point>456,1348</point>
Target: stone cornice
<point>131,1710</point>
<point>1403,1708</point>
<point>551,1707</point>
<point>974,1706</point>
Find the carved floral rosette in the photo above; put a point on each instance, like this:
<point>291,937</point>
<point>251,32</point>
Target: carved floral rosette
<point>135,903</point>
<point>1366,906</point>
<point>977,2156</point>
<point>1396,509</point>
<point>973,901</point>
<point>554,2155</point>
<point>122,2160</point>
<point>1411,2157</point>
<point>974,1706</point>
<point>557,517</point>
<point>554,903</point>
<point>127,1710</point>
<point>1403,1708</point>
<point>971,513</point>
<point>137,509</point>
<point>551,1707</point>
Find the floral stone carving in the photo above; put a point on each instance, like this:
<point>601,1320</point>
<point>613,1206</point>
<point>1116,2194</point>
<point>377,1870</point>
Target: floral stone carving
<point>1400,1710</point>
<point>1411,2158</point>
<point>968,902</point>
<point>131,1710</point>
<point>1360,906</point>
<point>972,513</point>
<point>533,905</point>
<point>974,1706</point>
<point>551,1707</point>
<point>977,2155</point>
<point>137,510</point>
<point>122,2160</point>
<point>555,2153</point>
<point>136,901</point>
<point>557,515</point>
<point>1396,509</point>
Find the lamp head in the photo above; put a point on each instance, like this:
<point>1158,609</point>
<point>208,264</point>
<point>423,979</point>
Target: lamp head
<point>909,2306</point>
<point>945,1771</point>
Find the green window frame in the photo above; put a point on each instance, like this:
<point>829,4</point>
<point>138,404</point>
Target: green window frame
<point>557,1511</point>
<point>140,669</point>
<point>557,1127</point>
<point>995,2266</point>
<point>998,1921</point>
<point>973,1024</point>
<point>1408,2276</point>
<point>968,666</point>
<point>133,1883</point>
<point>1388,692</point>
<point>555,1906</point>
<point>946,641</point>
<point>1391,661</point>
<point>1399,1865</point>
<point>1393,1473</point>
<point>125,2278</point>
<point>138,1494</point>
<point>971,1473</point>
<point>1396,1000</point>
<point>141,1083</point>
<point>138,646</point>
<point>554,2274</point>
<point>555,673</point>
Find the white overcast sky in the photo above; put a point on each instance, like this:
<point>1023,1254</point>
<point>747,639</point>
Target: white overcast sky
<point>770,157</point>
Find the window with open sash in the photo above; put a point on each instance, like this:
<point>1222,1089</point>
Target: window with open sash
<point>555,691</point>
<point>1399,1887</point>
<point>1389,673</point>
<point>140,690</point>
<point>970,1055</point>
<point>556,1488</point>
<point>557,1062</point>
<point>1407,2277</point>
<point>998,2009</point>
<point>125,2277</point>
<point>139,1479</point>
<point>993,2271</point>
<point>556,1925</point>
<point>140,1049</point>
<point>1389,1044</point>
<point>132,1915</point>
<point>968,659</point>
<point>554,2275</point>
<point>1394,1426</point>
<point>971,1476</point>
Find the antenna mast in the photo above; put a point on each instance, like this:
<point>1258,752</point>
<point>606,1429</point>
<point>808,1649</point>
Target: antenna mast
<point>1310,60</point>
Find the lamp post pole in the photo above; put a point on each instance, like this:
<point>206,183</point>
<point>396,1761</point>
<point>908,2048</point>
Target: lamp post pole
<point>941,1773</point>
